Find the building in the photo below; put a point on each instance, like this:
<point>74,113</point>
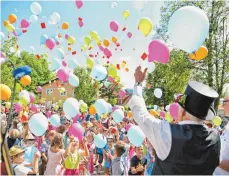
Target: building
<point>51,91</point>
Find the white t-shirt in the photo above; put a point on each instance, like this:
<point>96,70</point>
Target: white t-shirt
<point>21,169</point>
<point>224,151</point>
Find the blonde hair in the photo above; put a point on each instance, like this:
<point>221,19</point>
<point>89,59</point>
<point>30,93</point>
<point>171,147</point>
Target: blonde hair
<point>14,134</point>
<point>58,141</point>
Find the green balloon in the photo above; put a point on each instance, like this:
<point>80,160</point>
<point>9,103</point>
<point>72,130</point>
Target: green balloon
<point>90,63</point>
<point>87,40</point>
<point>8,105</point>
<point>83,107</point>
<point>93,34</point>
<point>112,71</point>
<point>217,121</point>
<point>168,117</point>
<point>24,101</point>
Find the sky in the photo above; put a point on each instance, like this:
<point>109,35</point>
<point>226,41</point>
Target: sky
<point>97,16</point>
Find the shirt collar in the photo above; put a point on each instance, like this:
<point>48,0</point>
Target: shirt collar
<point>190,122</point>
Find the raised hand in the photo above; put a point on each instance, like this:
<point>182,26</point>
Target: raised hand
<point>140,75</point>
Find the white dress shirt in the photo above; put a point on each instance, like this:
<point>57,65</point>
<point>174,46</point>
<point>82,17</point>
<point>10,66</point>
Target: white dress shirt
<point>157,131</point>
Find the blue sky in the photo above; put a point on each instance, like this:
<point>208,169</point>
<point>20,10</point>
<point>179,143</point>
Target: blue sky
<point>96,16</point>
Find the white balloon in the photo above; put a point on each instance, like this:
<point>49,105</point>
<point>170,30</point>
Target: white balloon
<point>55,120</point>
<point>12,49</point>
<point>72,63</point>
<point>71,107</point>
<point>2,35</point>
<point>73,80</point>
<point>59,52</point>
<point>55,17</point>
<point>158,93</point>
<point>167,107</point>
<point>54,65</point>
<point>33,18</point>
<point>35,8</point>
<point>38,124</point>
<point>114,4</point>
<point>151,67</point>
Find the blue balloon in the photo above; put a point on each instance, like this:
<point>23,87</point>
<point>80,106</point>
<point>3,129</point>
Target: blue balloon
<point>72,63</point>
<point>22,71</point>
<point>38,124</point>
<point>73,80</point>
<point>100,141</point>
<point>118,115</point>
<point>54,65</point>
<point>136,135</point>
<point>59,53</point>
<point>55,120</point>
<point>188,28</point>
<point>99,73</point>
<point>109,107</point>
<point>18,32</point>
<point>71,107</point>
<point>43,39</point>
<point>101,106</point>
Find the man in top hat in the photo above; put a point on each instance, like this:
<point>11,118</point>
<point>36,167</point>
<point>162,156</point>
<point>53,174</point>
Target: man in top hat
<point>187,147</point>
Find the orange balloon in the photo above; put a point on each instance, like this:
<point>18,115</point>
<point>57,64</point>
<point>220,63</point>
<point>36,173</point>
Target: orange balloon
<point>5,92</point>
<point>106,43</point>
<point>129,114</point>
<point>25,80</point>
<point>12,18</point>
<point>127,69</point>
<point>114,39</point>
<point>65,25</point>
<point>6,22</point>
<point>92,110</point>
<point>69,48</point>
<point>153,112</point>
<point>200,54</point>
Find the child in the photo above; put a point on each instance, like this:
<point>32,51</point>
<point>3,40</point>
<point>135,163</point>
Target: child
<point>118,167</point>
<point>19,166</point>
<point>108,153</point>
<point>150,156</point>
<point>29,142</point>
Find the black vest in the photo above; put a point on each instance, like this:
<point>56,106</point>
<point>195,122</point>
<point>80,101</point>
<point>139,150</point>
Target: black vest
<point>195,151</point>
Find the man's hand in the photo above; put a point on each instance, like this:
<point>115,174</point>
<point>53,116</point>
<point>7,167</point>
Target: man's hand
<point>140,75</point>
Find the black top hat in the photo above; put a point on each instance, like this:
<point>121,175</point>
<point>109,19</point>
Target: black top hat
<point>198,100</point>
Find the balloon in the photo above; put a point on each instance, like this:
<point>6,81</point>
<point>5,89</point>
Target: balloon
<point>129,114</point>
<point>83,107</point>
<point>81,23</point>
<point>43,39</point>
<point>35,8</point>
<point>87,40</point>
<point>79,3</point>
<point>76,130</point>
<point>151,67</point>
<point>10,27</point>
<point>48,113</point>
<point>99,73</point>
<point>39,89</point>
<point>145,26</point>
<point>109,106</point>
<point>158,51</point>
<point>200,54</point>
<point>128,126</point>
<point>162,114</point>
<point>38,124</point>
<point>33,18</point>
<point>2,36</point>
<point>34,108</point>
<point>65,25</point>
<point>5,23</point>
<point>63,74</point>
<point>122,93</point>
<point>18,107</point>
<point>114,4</point>
<point>153,112</point>
<point>24,100</point>
<point>107,52</point>
<point>217,121</point>
<point>12,18</point>
<point>32,97</point>
<point>71,107</point>
<point>174,110</point>
<point>73,80</point>
<point>192,29</point>
<point>55,64</point>
<point>100,141</point>
<point>136,135</point>
<point>71,40</point>
<point>112,71</point>
<point>55,120</point>
<point>118,115</point>
<point>56,107</point>
<point>60,53</point>
<point>92,110</point>
<point>55,17</point>
<point>5,92</point>
<point>90,63</point>
<point>158,93</point>
<point>50,43</point>
<point>114,39</point>
<point>18,32</point>
<point>25,80</point>
<point>101,106</point>
<point>8,105</point>
<point>25,23</point>
<point>72,63</point>
<point>168,117</point>
<point>93,34</point>
<point>129,34</point>
<point>114,26</point>
<point>167,107</point>
<point>126,14</point>
<point>106,43</point>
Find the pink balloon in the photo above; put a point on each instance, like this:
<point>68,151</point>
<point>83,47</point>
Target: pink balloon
<point>79,3</point>
<point>66,36</point>
<point>57,43</point>
<point>50,43</point>
<point>129,34</point>
<point>25,23</point>
<point>48,113</point>
<point>64,63</point>
<point>3,55</point>
<point>173,110</point>
<point>81,23</point>
<point>128,126</point>
<point>114,26</point>
<point>63,74</point>
<point>158,51</point>
<point>32,97</point>
<point>122,93</point>
<point>101,48</point>
<point>39,89</point>
<point>76,118</point>
<point>162,114</point>
<point>34,107</point>
<point>107,52</point>
<point>18,107</point>
<point>76,130</point>
<point>110,79</point>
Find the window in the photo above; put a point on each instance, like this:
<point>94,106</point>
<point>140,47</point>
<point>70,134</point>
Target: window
<point>49,91</point>
<point>63,93</point>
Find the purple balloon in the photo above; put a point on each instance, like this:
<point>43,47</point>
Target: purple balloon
<point>129,34</point>
<point>25,23</point>
<point>63,74</point>
<point>50,43</point>
<point>76,130</point>
<point>32,97</point>
<point>158,51</point>
<point>18,107</point>
<point>174,110</point>
<point>64,63</point>
<point>107,52</point>
<point>66,36</point>
<point>110,79</point>
<point>114,26</point>
<point>81,23</point>
<point>39,89</point>
<point>101,48</point>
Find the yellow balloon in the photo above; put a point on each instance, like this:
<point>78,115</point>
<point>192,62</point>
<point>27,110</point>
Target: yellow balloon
<point>87,40</point>
<point>145,26</point>
<point>217,121</point>
<point>83,47</point>
<point>126,14</point>
<point>98,40</point>
<point>71,40</point>
<point>10,27</point>
<point>93,35</point>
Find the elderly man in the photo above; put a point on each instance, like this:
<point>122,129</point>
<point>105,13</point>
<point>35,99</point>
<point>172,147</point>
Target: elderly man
<point>223,168</point>
<point>184,148</point>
